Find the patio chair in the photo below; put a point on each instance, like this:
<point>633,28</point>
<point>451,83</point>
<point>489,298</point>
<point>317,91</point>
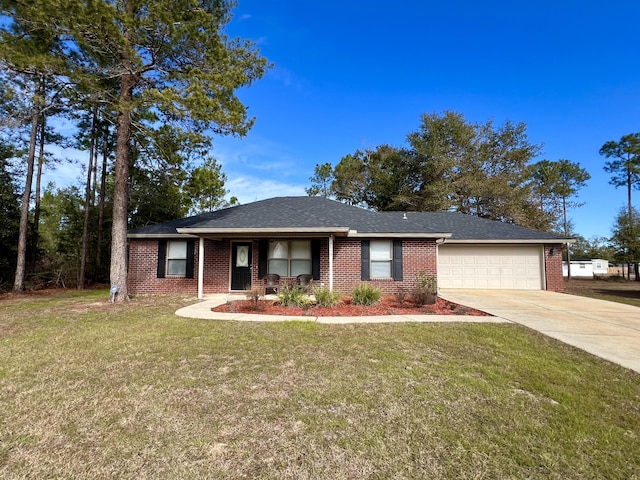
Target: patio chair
<point>303,282</point>
<point>271,282</point>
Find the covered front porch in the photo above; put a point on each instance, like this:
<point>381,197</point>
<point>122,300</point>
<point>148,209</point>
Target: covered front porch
<point>237,264</point>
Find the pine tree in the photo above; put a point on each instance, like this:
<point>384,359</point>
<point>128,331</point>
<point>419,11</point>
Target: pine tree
<point>171,60</point>
<point>32,58</point>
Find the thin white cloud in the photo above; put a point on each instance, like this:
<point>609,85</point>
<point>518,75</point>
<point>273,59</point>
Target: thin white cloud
<point>287,78</point>
<point>67,170</point>
<point>259,168</point>
<point>237,156</point>
<point>249,189</point>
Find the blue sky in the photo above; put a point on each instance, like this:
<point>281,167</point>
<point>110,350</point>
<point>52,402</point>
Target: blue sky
<point>352,74</point>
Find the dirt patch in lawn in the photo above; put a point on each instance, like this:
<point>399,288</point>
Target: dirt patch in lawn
<point>388,305</point>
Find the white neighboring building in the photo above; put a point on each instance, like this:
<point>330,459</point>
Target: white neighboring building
<point>586,268</point>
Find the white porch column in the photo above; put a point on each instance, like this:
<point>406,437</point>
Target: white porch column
<point>331,263</point>
<point>201,268</point>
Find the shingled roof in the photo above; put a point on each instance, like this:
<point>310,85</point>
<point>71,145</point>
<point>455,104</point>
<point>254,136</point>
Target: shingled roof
<point>318,215</point>
<point>468,228</point>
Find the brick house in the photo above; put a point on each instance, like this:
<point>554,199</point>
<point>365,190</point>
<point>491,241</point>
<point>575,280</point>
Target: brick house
<point>231,250</point>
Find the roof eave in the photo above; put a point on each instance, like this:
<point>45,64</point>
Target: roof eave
<point>159,235</point>
<point>226,232</point>
<point>356,234</point>
<point>503,241</point>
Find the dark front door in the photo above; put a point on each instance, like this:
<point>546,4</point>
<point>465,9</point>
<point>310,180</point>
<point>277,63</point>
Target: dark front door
<point>241,266</point>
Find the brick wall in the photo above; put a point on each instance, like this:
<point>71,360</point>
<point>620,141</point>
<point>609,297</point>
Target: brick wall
<point>418,255</point>
<point>553,267</point>
<point>143,272</point>
<point>217,259</point>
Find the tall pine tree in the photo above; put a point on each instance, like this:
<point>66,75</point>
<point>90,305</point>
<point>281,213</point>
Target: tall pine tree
<point>170,57</point>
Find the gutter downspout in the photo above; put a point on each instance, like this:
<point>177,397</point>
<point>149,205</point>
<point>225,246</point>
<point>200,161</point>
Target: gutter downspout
<point>331,238</point>
<point>201,268</point>
<point>439,241</point>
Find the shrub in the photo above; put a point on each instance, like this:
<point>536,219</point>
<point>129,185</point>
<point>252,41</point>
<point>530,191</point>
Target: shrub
<point>254,296</point>
<point>421,296</point>
<point>425,290</point>
<point>293,297</point>
<point>327,298</point>
<point>366,294</point>
<point>426,280</point>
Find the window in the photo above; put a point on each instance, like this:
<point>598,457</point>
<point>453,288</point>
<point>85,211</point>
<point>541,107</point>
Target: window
<point>289,258</point>
<point>582,265</point>
<point>381,258</point>
<point>177,258</point>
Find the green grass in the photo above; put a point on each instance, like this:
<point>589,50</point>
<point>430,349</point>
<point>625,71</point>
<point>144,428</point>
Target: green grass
<point>94,390</point>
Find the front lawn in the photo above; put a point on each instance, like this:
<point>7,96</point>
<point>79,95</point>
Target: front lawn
<point>94,390</point>
<point>612,289</point>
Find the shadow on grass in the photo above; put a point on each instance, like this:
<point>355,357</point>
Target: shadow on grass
<point>635,294</point>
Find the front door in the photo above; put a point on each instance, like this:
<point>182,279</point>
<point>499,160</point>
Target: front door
<point>241,266</point>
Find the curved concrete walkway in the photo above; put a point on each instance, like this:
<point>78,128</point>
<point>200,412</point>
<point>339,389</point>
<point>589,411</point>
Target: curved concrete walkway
<point>607,329</point>
<point>203,310</point>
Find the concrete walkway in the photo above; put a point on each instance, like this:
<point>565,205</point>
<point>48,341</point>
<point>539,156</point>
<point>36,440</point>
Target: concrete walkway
<point>203,310</point>
<point>607,329</point>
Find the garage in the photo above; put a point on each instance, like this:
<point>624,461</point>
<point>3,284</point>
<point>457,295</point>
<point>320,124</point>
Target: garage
<point>490,266</point>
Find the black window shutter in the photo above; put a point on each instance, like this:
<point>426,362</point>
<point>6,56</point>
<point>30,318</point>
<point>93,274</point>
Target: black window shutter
<point>190,258</point>
<point>365,267</point>
<point>263,251</point>
<point>162,257</point>
<point>315,258</point>
<point>397,260</point>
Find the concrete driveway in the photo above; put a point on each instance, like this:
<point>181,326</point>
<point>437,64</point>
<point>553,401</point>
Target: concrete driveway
<point>607,329</point>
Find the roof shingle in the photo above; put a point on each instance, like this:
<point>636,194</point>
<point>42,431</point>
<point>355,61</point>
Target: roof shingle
<point>317,212</point>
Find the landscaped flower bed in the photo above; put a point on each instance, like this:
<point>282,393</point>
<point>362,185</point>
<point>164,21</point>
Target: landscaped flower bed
<point>388,305</point>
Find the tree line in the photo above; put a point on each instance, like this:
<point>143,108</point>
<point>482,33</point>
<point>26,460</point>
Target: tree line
<point>453,164</point>
<point>488,170</point>
<point>624,167</point>
<point>147,84</point>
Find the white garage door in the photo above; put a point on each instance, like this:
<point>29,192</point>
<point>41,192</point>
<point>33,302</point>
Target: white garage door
<point>499,266</point>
